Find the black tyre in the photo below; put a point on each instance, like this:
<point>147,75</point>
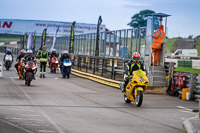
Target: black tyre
<point>139,98</point>
<point>68,73</point>
<point>29,79</point>
<point>126,99</point>
<point>54,70</point>
<point>7,67</point>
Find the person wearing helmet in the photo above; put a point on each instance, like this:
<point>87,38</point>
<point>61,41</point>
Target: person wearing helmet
<point>21,55</point>
<point>8,52</point>
<point>64,55</point>
<point>53,54</point>
<point>29,57</point>
<point>44,54</point>
<point>131,66</point>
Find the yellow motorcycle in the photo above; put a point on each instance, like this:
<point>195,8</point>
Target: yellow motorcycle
<point>135,88</point>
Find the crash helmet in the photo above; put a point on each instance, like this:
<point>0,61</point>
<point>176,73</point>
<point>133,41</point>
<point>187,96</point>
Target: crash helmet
<point>65,53</point>
<point>54,51</point>
<point>29,52</point>
<point>136,57</point>
<point>22,52</point>
<point>8,51</point>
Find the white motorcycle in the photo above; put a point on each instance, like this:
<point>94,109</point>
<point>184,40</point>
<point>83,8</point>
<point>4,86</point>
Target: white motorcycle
<point>8,61</point>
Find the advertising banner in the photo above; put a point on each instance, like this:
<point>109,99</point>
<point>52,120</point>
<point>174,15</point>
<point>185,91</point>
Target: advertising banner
<point>21,27</point>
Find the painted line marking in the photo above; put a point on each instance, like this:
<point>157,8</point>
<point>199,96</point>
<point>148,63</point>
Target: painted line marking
<point>30,115</point>
<point>15,118</point>
<point>46,131</point>
<point>59,129</point>
<point>181,107</point>
<point>187,110</point>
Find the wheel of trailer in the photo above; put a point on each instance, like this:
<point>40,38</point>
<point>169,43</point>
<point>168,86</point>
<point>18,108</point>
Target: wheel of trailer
<point>126,99</point>
<point>139,98</point>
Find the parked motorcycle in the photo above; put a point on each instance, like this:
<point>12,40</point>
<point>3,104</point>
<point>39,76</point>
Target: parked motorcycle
<point>66,68</point>
<point>30,70</point>
<point>135,88</point>
<point>54,64</point>
<point>8,61</point>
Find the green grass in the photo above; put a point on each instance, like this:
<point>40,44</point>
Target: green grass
<point>170,45</point>
<point>9,39</point>
<point>198,46</point>
<point>187,69</point>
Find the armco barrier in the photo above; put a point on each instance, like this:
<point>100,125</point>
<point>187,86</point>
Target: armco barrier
<point>1,69</point>
<point>197,88</point>
<point>99,79</point>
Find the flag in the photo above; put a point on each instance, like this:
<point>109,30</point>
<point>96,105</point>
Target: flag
<point>98,36</point>
<point>43,38</point>
<point>71,43</point>
<point>34,38</point>
<point>24,41</point>
<point>54,39</point>
<point>30,41</point>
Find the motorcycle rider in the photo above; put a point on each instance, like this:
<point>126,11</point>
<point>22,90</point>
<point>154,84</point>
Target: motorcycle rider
<point>21,55</point>
<point>8,52</point>
<point>64,55</point>
<point>30,57</point>
<point>53,54</point>
<point>43,60</point>
<point>132,65</point>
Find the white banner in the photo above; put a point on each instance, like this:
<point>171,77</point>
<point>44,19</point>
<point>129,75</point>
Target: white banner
<point>20,27</point>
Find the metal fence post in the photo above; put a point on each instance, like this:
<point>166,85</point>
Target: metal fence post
<point>192,85</point>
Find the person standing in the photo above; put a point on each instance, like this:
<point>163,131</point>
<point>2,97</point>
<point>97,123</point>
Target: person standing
<point>44,54</point>
<point>158,39</point>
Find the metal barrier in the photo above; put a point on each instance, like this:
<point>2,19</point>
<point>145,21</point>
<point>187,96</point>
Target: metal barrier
<point>197,89</point>
<point>111,68</point>
<point>1,69</point>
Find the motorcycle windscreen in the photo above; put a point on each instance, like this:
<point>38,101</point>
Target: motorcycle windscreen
<point>139,73</point>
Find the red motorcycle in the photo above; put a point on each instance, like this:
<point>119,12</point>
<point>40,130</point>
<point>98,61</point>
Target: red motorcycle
<point>30,71</point>
<point>54,64</point>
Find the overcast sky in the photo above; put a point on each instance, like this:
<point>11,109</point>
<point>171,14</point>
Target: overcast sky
<point>116,14</point>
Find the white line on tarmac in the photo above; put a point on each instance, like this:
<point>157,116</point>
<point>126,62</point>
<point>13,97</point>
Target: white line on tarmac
<point>35,125</point>
<point>19,127</point>
<point>15,118</point>
<point>46,131</point>
<point>44,114</point>
<point>181,107</point>
<point>30,115</point>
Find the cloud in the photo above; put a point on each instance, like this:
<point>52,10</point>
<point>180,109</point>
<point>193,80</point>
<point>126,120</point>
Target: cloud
<point>128,3</point>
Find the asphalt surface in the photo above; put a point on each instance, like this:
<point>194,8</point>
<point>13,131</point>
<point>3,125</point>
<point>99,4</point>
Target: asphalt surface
<point>77,105</point>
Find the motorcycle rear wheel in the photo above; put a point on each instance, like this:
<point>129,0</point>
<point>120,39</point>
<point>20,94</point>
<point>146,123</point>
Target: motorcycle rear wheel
<point>126,99</point>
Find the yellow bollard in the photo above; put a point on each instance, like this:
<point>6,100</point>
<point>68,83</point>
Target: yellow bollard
<point>184,91</point>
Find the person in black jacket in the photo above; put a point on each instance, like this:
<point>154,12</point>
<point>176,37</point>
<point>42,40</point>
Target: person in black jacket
<point>131,66</point>
<point>8,52</point>
<point>21,55</point>
<point>64,55</point>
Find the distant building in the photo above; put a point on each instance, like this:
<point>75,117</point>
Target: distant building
<point>20,27</point>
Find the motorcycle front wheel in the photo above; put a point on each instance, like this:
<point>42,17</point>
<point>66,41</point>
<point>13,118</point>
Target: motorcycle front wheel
<point>139,98</point>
